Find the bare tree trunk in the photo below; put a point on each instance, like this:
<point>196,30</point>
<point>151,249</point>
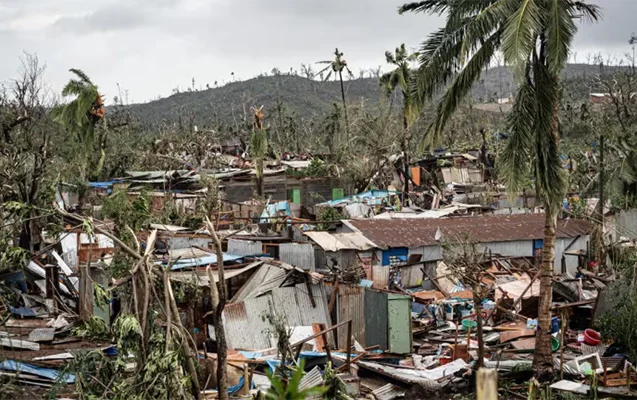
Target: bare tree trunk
<point>340,77</point>
<point>477,304</point>
<point>543,358</point>
<point>259,177</point>
<point>405,150</point>
<point>219,298</point>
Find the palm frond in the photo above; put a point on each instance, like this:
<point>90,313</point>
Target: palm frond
<point>560,33</point>
<point>429,6</point>
<point>463,83</point>
<point>521,32</point>
<point>514,162</point>
<point>482,25</point>
<point>589,12</point>
<point>438,62</point>
<point>389,57</point>
<point>548,165</point>
<point>80,74</point>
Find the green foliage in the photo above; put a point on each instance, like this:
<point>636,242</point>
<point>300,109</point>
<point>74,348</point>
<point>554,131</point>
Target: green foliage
<point>188,292</point>
<point>158,376</point>
<point>94,375</point>
<point>77,115</point>
<point>93,329</point>
<point>326,216</point>
<point>127,333</point>
<point>316,168</point>
<point>101,295</point>
<point>11,257</point>
<point>619,322</point>
<point>283,389</point>
<point>280,330</point>
<point>124,212</point>
<point>336,389</point>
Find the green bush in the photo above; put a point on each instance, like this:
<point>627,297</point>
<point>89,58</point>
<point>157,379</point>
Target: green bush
<point>619,323</point>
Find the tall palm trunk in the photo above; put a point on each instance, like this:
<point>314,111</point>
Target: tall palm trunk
<point>543,359</point>
<point>340,77</point>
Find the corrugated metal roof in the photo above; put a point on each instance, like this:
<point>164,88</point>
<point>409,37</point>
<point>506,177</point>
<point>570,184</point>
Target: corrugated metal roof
<point>341,241</point>
<point>486,229</point>
<point>311,379</point>
<point>300,255</point>
<point>201,261</point>
<point>244,323</point>
<point>201,276</point>
<point>388,392</point>
<point>245,247</point>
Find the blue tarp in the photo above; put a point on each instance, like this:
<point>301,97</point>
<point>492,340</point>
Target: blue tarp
<point>53,374</point>
<point>251,355</point>
<point>234,389</point>
<point>22,311</point>
<point>200,261</point>
<point>371,197</point>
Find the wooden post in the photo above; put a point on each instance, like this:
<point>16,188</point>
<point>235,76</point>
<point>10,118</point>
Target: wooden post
<point>564,315</point>
<point>487,384</point>
<point>349,346</point>
<point>246,380</point>
<point>326,347</point>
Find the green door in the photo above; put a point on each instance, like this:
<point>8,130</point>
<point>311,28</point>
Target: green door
<point>294,196</point>
<point>337,194</point>
<point>399,321</point>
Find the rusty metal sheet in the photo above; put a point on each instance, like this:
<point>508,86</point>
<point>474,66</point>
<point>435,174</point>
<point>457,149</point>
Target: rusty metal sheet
<point>489,228</point>
<point>351,305</point>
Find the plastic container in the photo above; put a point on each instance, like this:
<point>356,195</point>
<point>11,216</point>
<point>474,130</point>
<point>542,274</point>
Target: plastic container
<point>555,325</point>
<point>555,344</point>
<point>445,360</point>
<point>467,323</point>
<point>592,338</point>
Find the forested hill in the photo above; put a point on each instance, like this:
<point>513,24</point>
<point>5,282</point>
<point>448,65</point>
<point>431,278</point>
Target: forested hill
<point>308,98</point>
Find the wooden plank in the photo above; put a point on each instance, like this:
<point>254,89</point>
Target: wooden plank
<point>487,384</point>
<point>26,323</point>
<point>524,344</point>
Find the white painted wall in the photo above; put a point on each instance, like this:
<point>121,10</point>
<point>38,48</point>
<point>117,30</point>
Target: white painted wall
<point>561,244</point>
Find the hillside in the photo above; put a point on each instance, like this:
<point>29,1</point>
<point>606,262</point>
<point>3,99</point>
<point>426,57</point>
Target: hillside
<point>310,98</point>
<point>306,97</point>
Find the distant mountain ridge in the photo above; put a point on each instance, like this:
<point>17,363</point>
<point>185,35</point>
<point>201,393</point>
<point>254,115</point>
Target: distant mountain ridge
<point>307,98</point>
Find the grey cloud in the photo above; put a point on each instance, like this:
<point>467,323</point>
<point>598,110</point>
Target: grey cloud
<point>111,18</point>
<point>151,46</point>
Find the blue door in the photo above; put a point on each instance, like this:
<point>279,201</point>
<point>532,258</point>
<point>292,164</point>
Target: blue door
<point>395,256</point>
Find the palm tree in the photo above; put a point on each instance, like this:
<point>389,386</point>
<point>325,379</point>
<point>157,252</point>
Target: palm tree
<point>402,78</point>
<point>336,66</point>
<point>535,37</point>
<point>81,115</point>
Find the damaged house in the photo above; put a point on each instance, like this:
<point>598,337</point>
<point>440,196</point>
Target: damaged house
<point>413,246</point>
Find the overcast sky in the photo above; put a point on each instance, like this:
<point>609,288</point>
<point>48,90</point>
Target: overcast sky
<point>151,46</point>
